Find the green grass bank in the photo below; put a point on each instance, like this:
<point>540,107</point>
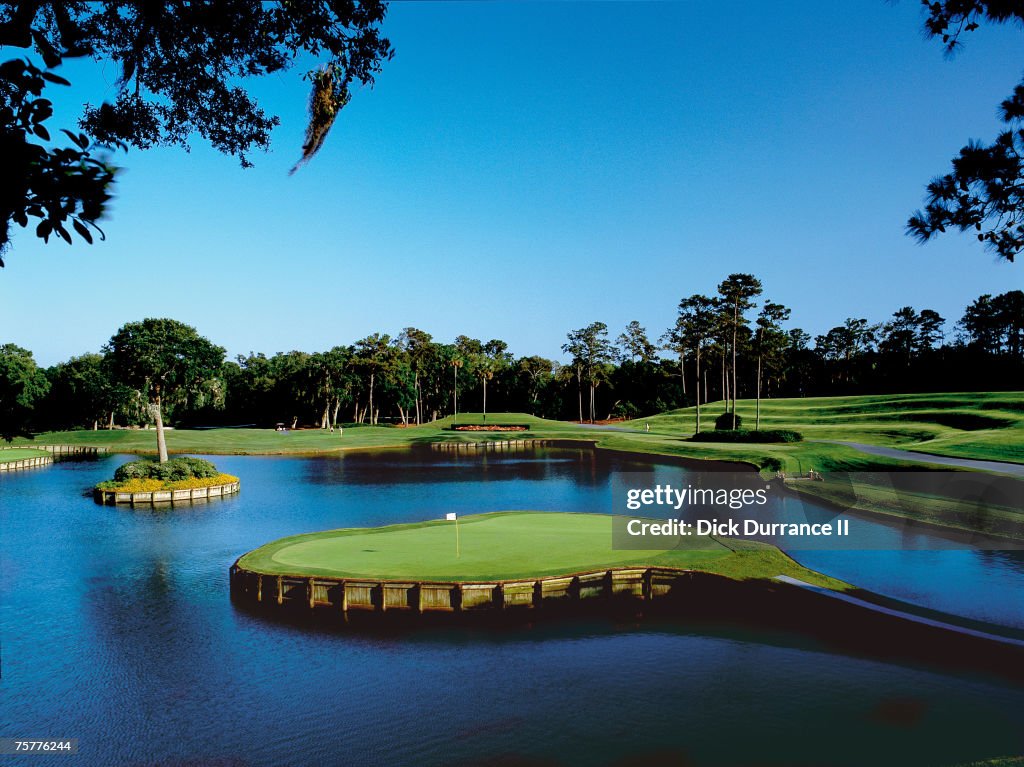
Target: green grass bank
<point>19,454</point>
<point>987,426</point>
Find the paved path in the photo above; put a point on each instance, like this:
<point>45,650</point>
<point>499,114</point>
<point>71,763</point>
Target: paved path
<point>899,613</point>
<point>999,467</point>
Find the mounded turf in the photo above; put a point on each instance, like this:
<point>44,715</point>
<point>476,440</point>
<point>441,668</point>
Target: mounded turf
<point>502,546</point>
<point>983,425</point>
<point>987,426</point>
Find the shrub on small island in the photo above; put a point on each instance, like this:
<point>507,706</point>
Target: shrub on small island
<point>741,435</point>
<point>724,422</point>
<point>148,476</point>
<point>173,470</point>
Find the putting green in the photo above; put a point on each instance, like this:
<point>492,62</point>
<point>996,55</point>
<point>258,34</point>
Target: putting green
<point>501,546</point>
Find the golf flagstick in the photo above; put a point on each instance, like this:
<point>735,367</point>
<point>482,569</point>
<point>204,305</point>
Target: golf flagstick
<point>451,516</point>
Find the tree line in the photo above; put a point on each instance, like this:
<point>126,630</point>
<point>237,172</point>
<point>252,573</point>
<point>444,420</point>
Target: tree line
<point>732,344</point>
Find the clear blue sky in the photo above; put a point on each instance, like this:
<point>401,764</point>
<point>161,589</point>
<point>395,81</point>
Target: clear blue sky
<point>522,169</point>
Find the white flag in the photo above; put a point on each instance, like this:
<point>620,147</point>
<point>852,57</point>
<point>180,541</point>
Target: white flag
<point>450,516</point>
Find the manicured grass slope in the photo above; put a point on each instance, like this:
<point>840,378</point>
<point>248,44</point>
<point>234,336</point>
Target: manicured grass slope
<point>663,441</point>
<point>987,425</point>
<point>505,545</point>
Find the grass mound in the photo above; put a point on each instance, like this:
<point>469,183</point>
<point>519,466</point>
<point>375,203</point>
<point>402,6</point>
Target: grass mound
<point>960,421</point>
<point>741,435</point>
<point>980,425</point>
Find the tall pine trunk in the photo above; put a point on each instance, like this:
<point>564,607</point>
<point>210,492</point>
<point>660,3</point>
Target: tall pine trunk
<point>735,328</point>
<point>757,418</point>
<point>373,417</point>
<point>161,440</point>
<point>728,395</point>
<point>416,392</point>
<point>579,389</point>
<point>725,395</point>
<point>697,430</point>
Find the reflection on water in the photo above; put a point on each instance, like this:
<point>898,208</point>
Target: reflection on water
<point>117,630</point>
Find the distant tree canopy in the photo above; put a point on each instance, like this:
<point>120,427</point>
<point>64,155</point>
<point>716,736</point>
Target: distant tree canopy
<point>158,369</point>
<point>984,193</point>
<point>180,68</point>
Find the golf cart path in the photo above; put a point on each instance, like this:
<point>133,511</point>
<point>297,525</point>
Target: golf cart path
<point>1000,467</point>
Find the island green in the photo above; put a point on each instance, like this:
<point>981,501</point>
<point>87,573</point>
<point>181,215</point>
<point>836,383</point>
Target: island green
<point>506,546</point>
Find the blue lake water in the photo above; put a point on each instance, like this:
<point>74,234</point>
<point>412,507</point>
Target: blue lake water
<point>117,629</point>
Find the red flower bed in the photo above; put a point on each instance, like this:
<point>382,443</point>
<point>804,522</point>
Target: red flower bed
<point>491,427</point>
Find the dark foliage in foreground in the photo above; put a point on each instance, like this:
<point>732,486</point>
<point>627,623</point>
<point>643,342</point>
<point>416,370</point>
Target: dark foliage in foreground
<point>984,193</point>
<point>181,65</point>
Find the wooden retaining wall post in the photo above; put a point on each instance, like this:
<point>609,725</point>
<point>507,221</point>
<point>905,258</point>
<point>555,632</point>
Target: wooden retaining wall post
<point>606,585</point>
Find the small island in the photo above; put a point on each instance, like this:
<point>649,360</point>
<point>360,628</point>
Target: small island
<point>492,562</point>
<point>171,481</point>
<point>522,566</point>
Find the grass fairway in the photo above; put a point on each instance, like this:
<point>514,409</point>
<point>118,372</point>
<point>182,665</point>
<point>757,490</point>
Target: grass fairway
<point>986,425</point>
<point>19,454</point>
<point>503,546</point>
<point>669,440</point>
